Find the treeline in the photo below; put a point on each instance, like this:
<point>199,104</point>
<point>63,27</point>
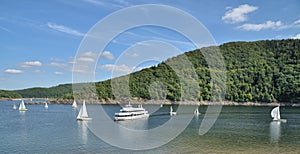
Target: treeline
<point>60,91</point>
<point>9,94</point>
<point>261,71</point>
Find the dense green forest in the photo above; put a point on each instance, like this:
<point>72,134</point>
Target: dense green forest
<point>60,91</point>
<point>260,71</point>
<point>9,94</point>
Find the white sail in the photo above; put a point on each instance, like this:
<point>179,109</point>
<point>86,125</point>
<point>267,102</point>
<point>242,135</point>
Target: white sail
<point>74,105</point>
<point>196,112</point>
<point>171,111</point>
<point>22,106</point>
<point>46,105</point>
<point>14,106</point>
<point>161,105</point>
<point>79,114</point>
<point>83,115</point>
<point>275,113</point>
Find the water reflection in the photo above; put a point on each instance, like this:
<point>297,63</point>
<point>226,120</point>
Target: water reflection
<point>275,131</point>
<point>83,132</point>
<point>138,124</point>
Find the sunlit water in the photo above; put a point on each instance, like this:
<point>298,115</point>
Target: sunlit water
<point>237,130</point>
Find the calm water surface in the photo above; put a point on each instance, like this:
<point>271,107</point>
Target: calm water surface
<point>237,130</point>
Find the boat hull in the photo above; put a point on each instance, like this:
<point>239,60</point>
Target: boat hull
<point>84,119</point>
<point>23,109</point>
<point>172,113</point>
<point>131,117</point>
<point>280,120</point>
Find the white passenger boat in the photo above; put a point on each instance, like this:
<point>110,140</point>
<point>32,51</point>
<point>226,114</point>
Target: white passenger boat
<point>128,112</point>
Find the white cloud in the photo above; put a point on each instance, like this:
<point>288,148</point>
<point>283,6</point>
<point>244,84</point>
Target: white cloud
<point>13,71</point>
<point>86,59</point>
<point>297,22</point>
<point>121,68</point>
<point>30,64</point>
<point>88,56</point>
<point>258,27</point>
<point>91,57</point>
<point>117,68</point>
<point>57,64</point>
<point>239,14</point>
<point>108,55</point>
<point>109,4</point>
<point>58,73</point>
<point>38,71</point>
<point>56,59</point>
<point>64,29</point>
<point>131,54</point>
<point>296,36</point>
<point>83,69</point>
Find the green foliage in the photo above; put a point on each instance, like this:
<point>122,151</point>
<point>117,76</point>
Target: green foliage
<point>55,92</point>
<point>261,71</point>
<point>9,94</point>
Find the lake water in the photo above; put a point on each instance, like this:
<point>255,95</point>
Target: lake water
<point>238,129</point>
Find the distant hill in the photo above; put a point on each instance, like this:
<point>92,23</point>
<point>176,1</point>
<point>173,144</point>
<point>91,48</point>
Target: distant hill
<point>9,94</point>
<point>59,91</point>
<point>260,71</point>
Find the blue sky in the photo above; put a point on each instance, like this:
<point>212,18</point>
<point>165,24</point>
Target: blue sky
<point>39,39</point>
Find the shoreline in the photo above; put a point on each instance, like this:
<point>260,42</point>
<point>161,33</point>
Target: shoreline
<point>158,102</point>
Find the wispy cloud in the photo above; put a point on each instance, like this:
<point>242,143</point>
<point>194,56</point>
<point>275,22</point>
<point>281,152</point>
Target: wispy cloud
<point>82,69</point>
<point>109,4</point>
<point>258,27</point>
<point>5,29</point>
<point>131,54</point>
<point>30,64</point>
<point>88,56</point>
<point>154,35</point>
<point>108,55</point>
<point>117,68</point>
<point>295,24</point>
<point>239,14</point>
<point>120,68</point>
<point>58,73</point>
<point>64,29</point>
<point>56,59</point>
<point>57,64</point>
<point>13,71</point>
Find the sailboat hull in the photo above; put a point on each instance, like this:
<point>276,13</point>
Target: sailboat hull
<point>23,109</point>
<point>172,113</point>
<point>84,119</point>
<point>281,120</point>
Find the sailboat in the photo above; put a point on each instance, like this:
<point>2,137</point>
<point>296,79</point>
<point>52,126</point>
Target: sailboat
<point>14,106</point>
<point>74,105</point>
<point>46,105</point>
<point>161,105</point>
<point>83,115</point>
<point>22,106</point>
<point>171,111</point>
<point>196,112</point>
<point>275,114</point>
